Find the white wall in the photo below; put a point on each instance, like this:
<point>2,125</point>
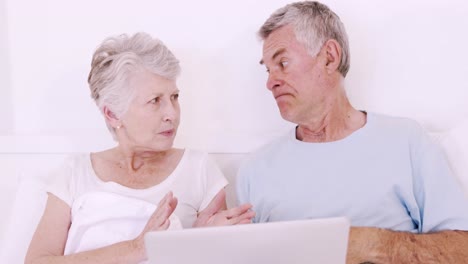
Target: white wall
<point>408,59</point>
<point>6,110</point>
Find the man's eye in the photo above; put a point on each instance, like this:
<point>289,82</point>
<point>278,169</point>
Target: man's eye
<point>284,63</point>
<point>175,96</point>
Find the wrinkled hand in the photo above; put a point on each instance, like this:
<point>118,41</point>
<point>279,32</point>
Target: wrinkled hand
<point>234,216</point>
<point>214,215</point>
<point>159,220</point>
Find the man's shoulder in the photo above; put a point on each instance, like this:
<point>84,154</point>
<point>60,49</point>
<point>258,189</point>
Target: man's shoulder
<point>393,125</point>
<point>267,152</point>
<point>384,120</point>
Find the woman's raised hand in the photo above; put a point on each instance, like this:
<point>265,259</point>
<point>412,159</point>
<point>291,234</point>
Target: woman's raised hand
<point>159,220</point>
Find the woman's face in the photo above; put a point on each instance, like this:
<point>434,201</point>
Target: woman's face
<point>152,119</point>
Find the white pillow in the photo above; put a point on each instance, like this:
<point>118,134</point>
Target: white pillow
<point>27,210</point>
<point>29,204</point>
<point>455,144</point>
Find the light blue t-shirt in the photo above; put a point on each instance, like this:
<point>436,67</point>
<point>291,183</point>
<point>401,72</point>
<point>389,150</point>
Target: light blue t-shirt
<point>388,174</point>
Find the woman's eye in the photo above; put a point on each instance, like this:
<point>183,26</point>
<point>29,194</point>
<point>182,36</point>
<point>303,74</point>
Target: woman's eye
<point>175,96</point>
<point>284,63</point>
<point>155,100</point>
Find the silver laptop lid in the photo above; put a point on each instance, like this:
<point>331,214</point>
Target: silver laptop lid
<point>299,242</point>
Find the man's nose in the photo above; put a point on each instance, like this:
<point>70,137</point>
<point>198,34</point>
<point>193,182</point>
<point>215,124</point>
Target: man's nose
<point>274,80</point>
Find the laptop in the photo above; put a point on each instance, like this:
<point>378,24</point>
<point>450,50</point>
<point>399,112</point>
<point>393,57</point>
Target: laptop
<point>300,242</point>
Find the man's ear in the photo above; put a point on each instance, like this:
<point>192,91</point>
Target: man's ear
<point>111,118</point>
<point>333,54</point>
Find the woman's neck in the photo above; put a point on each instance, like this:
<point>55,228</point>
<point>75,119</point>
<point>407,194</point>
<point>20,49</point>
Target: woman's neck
<point>134,160</point>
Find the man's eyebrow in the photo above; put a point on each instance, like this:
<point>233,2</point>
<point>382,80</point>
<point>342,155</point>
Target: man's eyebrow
<point>277,53</point>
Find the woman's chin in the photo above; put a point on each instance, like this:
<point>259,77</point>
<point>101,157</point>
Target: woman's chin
<point>152,146</point>
<point>163,146</point>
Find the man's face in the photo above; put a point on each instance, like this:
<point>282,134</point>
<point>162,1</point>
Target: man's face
<point>296,79</point>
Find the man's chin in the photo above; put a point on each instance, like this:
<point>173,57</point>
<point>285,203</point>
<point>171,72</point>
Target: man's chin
<point>287,114</point>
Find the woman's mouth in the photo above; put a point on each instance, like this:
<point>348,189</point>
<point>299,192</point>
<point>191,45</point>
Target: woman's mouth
<point>168,133</point>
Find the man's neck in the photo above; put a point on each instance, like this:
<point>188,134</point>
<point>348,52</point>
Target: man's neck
<point>332,124</point>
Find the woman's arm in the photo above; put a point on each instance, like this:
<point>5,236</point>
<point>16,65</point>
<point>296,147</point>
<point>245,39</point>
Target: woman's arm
<point>217,214</point>
<point>48,242</point>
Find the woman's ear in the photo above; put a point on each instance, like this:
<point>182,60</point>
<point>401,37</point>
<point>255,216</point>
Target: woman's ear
<point>111,118</point>
<point>333,55</point>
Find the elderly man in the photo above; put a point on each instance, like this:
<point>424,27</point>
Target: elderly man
<point>381,172</point>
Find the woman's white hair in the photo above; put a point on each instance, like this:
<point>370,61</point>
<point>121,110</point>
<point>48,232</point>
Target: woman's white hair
<point>314,23</point>
<point>114,61</point>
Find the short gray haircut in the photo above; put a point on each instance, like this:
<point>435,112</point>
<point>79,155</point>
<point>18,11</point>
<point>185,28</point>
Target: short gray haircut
<point>314,23</point>
<point>116,59</point>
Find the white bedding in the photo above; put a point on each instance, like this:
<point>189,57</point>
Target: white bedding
<point>100,219</point>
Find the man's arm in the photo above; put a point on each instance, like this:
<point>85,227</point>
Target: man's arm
<point>376,245</point>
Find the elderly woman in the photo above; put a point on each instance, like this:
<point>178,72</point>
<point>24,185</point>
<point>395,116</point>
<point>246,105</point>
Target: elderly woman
<point>100,205</point>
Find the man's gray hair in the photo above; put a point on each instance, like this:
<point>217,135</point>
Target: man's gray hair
<point>314,23</point>
<point>116,59</point>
